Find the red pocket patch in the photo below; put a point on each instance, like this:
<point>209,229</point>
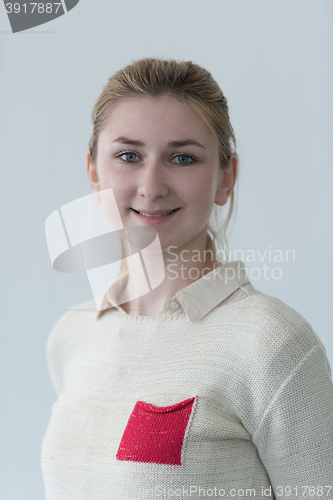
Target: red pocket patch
<point>156,434</point>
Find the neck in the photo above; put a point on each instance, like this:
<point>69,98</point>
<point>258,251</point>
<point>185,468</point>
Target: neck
<point>182,266</point>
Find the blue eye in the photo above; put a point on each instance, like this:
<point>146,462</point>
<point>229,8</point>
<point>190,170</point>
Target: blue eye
<point>130,157</point>
<point>130,154</point>
<point>186,157</point>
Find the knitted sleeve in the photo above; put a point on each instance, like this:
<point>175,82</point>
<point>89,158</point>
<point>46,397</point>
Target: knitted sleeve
<point>295,435</point>
<point>56,352</point>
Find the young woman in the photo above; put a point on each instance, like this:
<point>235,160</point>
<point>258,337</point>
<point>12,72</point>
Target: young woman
<point>202,386</point>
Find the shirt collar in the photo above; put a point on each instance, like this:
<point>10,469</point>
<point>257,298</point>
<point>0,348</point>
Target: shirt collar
<point>198,298</point>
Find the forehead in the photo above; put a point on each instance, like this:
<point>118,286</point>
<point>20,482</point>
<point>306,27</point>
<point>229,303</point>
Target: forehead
<point>159,117</point>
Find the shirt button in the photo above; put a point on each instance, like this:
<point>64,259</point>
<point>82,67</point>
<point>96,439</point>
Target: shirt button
<point>174,304</point>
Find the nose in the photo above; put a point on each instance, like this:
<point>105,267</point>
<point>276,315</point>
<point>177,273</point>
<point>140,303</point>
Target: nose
<point>152,183</point>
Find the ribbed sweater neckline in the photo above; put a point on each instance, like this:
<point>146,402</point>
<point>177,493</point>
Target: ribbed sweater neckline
<point>172,317</point>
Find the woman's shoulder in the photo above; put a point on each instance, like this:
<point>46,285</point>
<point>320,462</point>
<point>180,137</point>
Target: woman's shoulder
<point>262,304</point>
<point>272,321</point>
<point>67,337</point>
<point>77,312</point>
<point>72,321</point>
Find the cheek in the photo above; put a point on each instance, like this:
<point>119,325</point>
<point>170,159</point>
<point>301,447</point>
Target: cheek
<point>201,192</point>
<point>120,186</point>
<point>123,195</point>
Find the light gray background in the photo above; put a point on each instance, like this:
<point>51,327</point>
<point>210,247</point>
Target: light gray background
<point>273,61</point>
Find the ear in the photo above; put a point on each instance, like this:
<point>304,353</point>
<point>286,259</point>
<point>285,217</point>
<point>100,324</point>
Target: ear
<point>93,177</point>
<point>228,180</point>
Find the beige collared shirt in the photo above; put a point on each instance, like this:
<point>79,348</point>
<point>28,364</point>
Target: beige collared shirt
<point>255,373</point>
<point>224,284</point>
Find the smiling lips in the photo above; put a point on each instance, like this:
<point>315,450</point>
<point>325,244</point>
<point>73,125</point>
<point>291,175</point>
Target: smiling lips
<point>153,217</point>
<point>154,213</point>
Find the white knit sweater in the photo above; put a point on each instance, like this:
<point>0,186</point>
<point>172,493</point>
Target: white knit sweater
<point>256,419</point>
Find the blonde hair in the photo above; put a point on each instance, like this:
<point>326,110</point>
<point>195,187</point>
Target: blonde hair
<point>195,88</point>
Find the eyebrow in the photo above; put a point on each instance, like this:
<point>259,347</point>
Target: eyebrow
<point>171,144</point>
